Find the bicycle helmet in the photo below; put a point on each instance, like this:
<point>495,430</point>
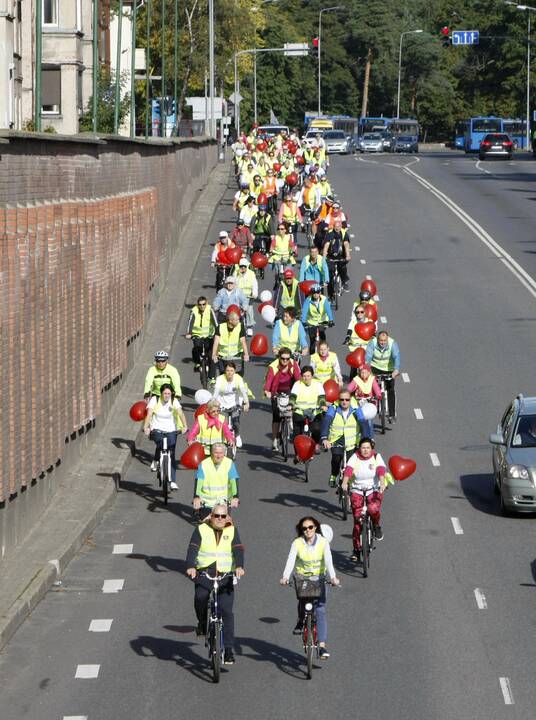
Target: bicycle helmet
<point>316,288</point>
<point>364,295</point>
<point>263,207</point>
<point>244,185</point>
<point>161,355</point>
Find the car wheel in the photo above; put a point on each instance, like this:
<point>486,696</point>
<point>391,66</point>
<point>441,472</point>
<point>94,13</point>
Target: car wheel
<point>496,488</point>
<point>481,157</point>
<point>504,510</point>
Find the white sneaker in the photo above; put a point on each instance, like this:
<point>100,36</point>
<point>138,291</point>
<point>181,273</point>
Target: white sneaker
<point>173,485</point>
<point>275,445</point>
<point>238,441</point>
<point>250,332</point>
<point>154,466</point>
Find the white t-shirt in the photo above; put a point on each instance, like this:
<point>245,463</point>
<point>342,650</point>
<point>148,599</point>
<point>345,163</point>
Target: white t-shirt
<point>230,394</point>
<point>163,419</point>
<point>364,475</point>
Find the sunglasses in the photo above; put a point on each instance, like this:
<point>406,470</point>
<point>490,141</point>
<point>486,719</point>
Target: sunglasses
<point>219,517</point>
<point>308,527</point>
<point>345,399</point>
<point>285,359</point>
<point>360,312</point>
<point>281,227</point>
<point>201,304</point>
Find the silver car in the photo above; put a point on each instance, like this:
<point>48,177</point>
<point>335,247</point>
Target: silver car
<point>371,142</point>
<point>514,457</point>
<point>336,142</point>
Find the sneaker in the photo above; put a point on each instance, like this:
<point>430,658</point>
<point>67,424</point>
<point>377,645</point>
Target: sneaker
<point>323,653</point>
<point>249,332</point>
<point>356,557</point>
<point>378,533</point>
<point>196,367</point>
<point>275,445</point>
<point>317,449</point>
<point>201,629</point>
<point>228,657</point>
<point>299,627</point>
<point>238,441</point>
<point>212,382</point>
<point>173,485</point>
<point>346,288</point>
<point>332,481</point>
<point>154,466</point>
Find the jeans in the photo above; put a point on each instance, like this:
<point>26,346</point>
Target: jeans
<point>158,437</point>
<point>367,428</point>
<point>225,606</point>
<point>320,614</point>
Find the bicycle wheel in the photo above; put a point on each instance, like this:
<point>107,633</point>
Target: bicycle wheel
<point>383,411</point>
<point>344,500</point>
<point>309,645</point>
<point>284,439</point>
<point>336,292</point>
<point>306,470</point>
<point>203,372</point>
<point>164,460</point>
<point>216,651</point>
<point>365,548</point>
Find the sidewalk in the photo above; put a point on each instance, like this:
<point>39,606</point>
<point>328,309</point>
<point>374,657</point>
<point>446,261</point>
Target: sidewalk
<point>83,498</point>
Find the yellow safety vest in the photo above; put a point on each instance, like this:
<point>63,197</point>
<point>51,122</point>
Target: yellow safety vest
<point>288,299</point>
<point>382,359</point>
<point>289,336</point>
<point>356,341</point>
<point>210,435</point>
<point>365,386</point>
<point>282,246</point>
<point>310,558</point>
<point>215,485</point>
<point>202,326</point>
<point>324,369</point>
<point>245,282</point>
<point>306,398</point>
<point>175,412</point>
<point>210,551</point>
<point>349,428</point>
<point>230,345</point>
<point>290,214</point>
<point>316,314</point>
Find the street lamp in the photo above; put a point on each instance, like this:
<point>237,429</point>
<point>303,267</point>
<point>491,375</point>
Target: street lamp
<point>528,9</point>
<point>334,8</point>
<point>408,32</point>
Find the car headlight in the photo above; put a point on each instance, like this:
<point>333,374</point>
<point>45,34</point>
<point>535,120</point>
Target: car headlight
<point>518,472</point>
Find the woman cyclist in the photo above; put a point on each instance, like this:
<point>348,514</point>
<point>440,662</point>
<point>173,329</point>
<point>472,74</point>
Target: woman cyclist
<point>165,419</point>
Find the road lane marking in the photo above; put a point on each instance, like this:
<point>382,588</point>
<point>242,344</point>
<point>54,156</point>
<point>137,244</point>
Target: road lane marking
<point>383,319</point>
<point>363,261</point>
<point>418,413</point>
<point>100,625</point>
<point>113,586</point>
<point>368,277</point>
<point>506,690</point>
<point>352,235</point>
<point>508,261</point>
<point>481,168</point>
<point>122,549</point>
<point>75,717</point>
<point>435,460</point>
<point>357,248</point>
<point>87,672</point>
<point>456,524</point>
<point>480,598</point>
<point>405,377</point>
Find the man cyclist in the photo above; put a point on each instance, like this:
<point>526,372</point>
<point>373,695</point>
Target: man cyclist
<point>227,296</point>
<point>216,549</point>
<point>241,236</point>
<point>309,199</point>
<point>261,229</point>
<point>246,280</point>
<point>316,313</point>
<point>219,258</point>
<point>230,344</point>
<point>159,373</point>
<point>383,356</point>
<point>202,325</point>
<point>282,373</point>
<point>337,252</point>
<point>314,267</point>
<point>288,294</point>
<point>308,400</point>
<point>289,333</point>
<point>340,431</point>
<point>241,196</point>
<point>216,479</point>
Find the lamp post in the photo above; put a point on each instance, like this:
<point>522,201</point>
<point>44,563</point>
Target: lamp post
<point>408,32</point>
<point>334,8</point>
<point>211,66</point>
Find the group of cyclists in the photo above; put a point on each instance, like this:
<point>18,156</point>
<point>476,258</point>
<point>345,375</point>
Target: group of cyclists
<point>284,204</point>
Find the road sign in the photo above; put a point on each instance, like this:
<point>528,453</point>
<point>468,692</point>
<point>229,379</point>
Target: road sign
<point>296,49</point>
<point>236,98</point>
<point>465,37</point>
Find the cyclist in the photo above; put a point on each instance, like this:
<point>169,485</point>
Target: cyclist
<point>216,479</point>
<point>309,199</point>
<point>282,373</point>
<point>365,298</point>
<point>290,213</point>
<point>248,212</point>
<point>289,332</point>
<point>219,259</point>
<point>325,364</point>
<point>255,186</point>
<point>227,296</point>
<point>269,188</point>
<point>334,214</point>
<point>282,247</point>
<point>340,430</point>
<point>383,356</point>
<point>241,236</point>
<point>159,373</point>
<point>364,386</point>
<point>310,557</point>
<point>308,400</point>
<point>315,312</point>
<point>288,293</point>
<point>365,470</point>
<point>216,549</point>
<point>323,184</point>
<point>210,427</point>
<point>246,280</point>
<point>165,418</point>
<point>202,325</point>
<point>337,251</point>
<point>352,339</point>
<point>314,267</point>
<point>241,196</point>
<point>261,229</point>
<point>232,393</point>
<point>230,343</point>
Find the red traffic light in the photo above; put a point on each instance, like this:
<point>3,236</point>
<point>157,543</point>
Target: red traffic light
<point>444,31</point>
<point>315,42</point>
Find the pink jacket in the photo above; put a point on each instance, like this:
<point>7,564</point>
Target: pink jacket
<point>212,422</point>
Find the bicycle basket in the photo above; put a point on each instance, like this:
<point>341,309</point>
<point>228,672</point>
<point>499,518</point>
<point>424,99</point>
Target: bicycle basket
<point>307,588</point>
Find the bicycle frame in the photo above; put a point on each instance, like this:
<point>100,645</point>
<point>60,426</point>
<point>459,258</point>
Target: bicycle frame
<point>214,639</point>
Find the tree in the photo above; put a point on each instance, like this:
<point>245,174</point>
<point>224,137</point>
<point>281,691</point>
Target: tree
<point>106,103</point>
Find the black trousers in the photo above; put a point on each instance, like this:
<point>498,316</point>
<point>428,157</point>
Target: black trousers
<point>343,273</point>
<point>197,345</point>
<point>314,426</point>
<point>311,331</point>
<point>390,387</point>
<point>225,605</point>
<point>337,456</point>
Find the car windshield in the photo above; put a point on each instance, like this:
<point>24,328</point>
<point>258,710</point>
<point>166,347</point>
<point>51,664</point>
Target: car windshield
<point>334,135</point>
<point>525,432</point>
<point>405,138</point>
<point>386,136</point>
<point>314,133</point>
<point>486,125</point>
<point>497,137</point>
<point>372,136</point>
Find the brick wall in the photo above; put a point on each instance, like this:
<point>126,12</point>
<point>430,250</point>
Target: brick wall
<point>86,232</point>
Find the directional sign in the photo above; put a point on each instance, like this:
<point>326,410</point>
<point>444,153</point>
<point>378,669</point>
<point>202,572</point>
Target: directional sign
<point>296,49</point>
<point>465,37</point>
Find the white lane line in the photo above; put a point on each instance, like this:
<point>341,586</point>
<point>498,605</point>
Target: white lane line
<point>368,277</point>
<point>508,261</point>
<point>383,319</point>
<point>480,598</point>
<point>100,625</point>
<point>456,524</point>
<point>363,262</point>
<point>122,549</point>
<point>75,717</point>
<point>418,413</point>
<point>357,248</point>
<point>87,672</point>
<point>112,586</point>
<point>506,690</point>
<point>481,168</point>
<point>405,377</point>
<point>435,460</point>
<point>352,235</point>
<point>376,298</point>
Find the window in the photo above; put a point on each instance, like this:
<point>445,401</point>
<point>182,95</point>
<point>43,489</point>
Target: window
<point>50,12</point>
<point>51,91</point>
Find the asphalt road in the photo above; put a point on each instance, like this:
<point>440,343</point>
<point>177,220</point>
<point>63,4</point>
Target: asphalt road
<point>410,641</point>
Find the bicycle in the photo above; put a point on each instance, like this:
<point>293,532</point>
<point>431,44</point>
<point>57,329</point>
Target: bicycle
<point>319,334</point>
<point>383,379</point>
<point>279,267</point>
<point>214,639</point>
<point>306,463</point>
<point>285,427</point>
<point>367,534</point>
<point>307,591</point>
<point>204,363</point>
<point>336,285</point>
<point>163,470</point>
<point>222,271</point>
<point>233,421</point>
<point>308,227</point>
<point>343,495</point>
<point>261,244</point>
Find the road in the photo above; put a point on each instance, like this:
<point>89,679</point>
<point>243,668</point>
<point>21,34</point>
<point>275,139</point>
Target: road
<point>443,626</point>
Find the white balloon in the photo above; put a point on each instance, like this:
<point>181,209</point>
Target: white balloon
<point>202,396</point>
<point>327,532</point>
<point>265,296</point>
<point>268,313</point>
<point>369,411</point>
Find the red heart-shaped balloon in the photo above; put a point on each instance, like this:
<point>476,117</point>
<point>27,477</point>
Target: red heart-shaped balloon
<point>304,447</point>
<point>138,411</point>
<point>233,255</point>
<point>371,313</point>
<point>356,358</point>
<point>192,456</point>
<point>331,388</point>
<point>401,467</point>
<point>259,344</point>
<point>365,330</point>
<point>306,285</point>
<point>259,260</point>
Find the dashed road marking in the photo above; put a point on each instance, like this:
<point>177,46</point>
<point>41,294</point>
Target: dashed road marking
<point>363,262</point>
<point>506,690</point>
<point>368,277</point>
<point>113,586</point>
<point>75,717</point>
<point>352,235</point>
<point>383,319</point>
<point>481,168</point>
<point>100,625</point>
<point>376,298</point>
<point>87,672</point>
<point>357,248</point>
<point>456,524</point>
<point>122,549</point>
<point>418,413</point>
<point>405,377</point>
<point>435,460</point>
<point>480,598</point>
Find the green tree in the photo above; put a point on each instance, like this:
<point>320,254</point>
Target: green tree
<point>106,103</point>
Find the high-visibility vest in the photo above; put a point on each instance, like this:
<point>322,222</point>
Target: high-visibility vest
<point>382,359</point>
<point>174,411</point>
<point>241,201</point>
<point>318,314</point>
<point>230,345</point>
<point>282,248</point>
<point>270,187</point>
<point>290,212</point>
<point>210,435</point>
<point>355,341</point>
<point>364,386</point>
<point>349,428</point>
<point>245,282</point>
<point>255,190</point>
<point>202,326</point>
<point>310,558</point>
<point>288,299</point>
<point>306,397</point>
<point>324,369</point>
<point>309,197</point>
<point>215,485</point>
<point>289,335</point>
<point>210,551</point>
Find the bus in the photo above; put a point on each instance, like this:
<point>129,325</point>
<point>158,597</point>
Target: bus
<point>345,123</point>
<point>477,128</point>
<point>460,130</point>
<point>517,130</point>
<point>404,126</point>
<point>321,123</point>
<point>373,124</point>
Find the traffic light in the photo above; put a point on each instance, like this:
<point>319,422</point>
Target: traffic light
<point>314,48</point>
<point>445,36</point>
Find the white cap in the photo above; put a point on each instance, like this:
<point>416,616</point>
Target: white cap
<point>243,261</point>
<point>223,233</point>
<point>230,279</point>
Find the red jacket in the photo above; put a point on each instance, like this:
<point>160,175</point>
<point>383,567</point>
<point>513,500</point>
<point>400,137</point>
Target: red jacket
<point>281,382</point>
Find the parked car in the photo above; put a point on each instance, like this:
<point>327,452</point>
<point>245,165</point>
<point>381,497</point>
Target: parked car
<point>496,145</point>
<point>336,142</point>
<point>311,137</point>
<point>371,142</point>
<point>388,141</point>
<point>514,457</point>
<point>406,144</point>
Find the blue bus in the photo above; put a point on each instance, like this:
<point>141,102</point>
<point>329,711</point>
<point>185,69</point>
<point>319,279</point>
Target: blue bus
<point>460,130</point>
<point>373,124</point>
<point>345,123</point>
<point>477,128</point>
<point>517,130</point>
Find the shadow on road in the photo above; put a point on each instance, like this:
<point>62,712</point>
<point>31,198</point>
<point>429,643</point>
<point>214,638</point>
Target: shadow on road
<point>155,503</point>
<point>158,563</point>
<point>316,504</point>
<point>182,653</point>
<point>478,489</point>
<point>288,661</point>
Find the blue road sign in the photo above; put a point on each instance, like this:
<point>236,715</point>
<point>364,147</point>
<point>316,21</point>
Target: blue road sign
<point>465,37</point>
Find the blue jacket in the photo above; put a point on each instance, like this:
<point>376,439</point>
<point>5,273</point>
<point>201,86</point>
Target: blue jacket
<point>395,353</point>
<point>330,414</point>
<point>313,272</point>
<point>223,300</point>
<point>305,310</point>
<point>276,335</point>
